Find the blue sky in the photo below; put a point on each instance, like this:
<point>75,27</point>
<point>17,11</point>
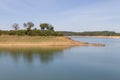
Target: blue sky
<point>65,15</point>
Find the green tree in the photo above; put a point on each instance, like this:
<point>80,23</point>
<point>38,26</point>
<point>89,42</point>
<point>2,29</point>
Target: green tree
<point>43,26</point>
<point>46,26</point>
<point>15,26</point>
<point>28,25</point>
<point>50,27</point>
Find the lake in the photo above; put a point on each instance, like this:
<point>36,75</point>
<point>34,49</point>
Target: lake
<point>62,63</point>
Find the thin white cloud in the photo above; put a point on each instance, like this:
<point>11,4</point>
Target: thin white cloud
<point>100,16</point>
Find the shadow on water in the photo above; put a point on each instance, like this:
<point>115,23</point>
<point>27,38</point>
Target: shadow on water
<point>29,54</point>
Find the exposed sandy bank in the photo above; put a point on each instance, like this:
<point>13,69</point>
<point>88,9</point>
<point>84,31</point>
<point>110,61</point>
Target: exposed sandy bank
<point>37,41</point>
<point>115,37</point>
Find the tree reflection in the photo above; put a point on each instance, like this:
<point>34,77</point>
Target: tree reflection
<point>44,54</point>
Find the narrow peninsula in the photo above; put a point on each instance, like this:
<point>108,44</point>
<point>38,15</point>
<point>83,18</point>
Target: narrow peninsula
<point>39,41</point>
<point>33,37</point>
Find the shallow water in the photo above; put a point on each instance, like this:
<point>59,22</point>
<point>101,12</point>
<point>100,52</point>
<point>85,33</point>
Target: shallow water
<point>62,63</point>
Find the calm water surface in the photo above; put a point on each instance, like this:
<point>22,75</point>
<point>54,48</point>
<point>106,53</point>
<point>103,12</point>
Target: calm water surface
<point>62,63</point>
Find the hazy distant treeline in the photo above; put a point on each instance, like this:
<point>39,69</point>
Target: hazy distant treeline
<point>92,33</point>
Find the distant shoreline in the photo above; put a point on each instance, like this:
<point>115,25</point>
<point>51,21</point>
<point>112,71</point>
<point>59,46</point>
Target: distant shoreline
<point>38,41</point>
<point>114,37</point>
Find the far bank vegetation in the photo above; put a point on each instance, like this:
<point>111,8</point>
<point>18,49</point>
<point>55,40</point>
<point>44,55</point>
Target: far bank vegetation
<point>91,33</point>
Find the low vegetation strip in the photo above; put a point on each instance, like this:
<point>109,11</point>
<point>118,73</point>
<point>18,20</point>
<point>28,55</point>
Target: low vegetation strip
<point>31,33</point>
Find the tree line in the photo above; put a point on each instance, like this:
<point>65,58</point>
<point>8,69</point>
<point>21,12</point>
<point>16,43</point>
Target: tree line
<point>29,25</point>
<point>91,33</point>
<point>46,29</point>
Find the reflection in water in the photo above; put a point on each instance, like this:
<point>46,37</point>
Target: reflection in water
<point>78,63</point>
<point>45,54</point>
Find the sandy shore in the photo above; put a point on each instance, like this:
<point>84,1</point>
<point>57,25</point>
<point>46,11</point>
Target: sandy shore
<point>28,41</point>
<point>49,44</point>
<point>114,37</point>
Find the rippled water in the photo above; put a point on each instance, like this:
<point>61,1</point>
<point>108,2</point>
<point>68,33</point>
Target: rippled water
<point>62,63</point>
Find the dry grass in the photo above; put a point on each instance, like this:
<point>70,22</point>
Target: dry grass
<point>31,39</point>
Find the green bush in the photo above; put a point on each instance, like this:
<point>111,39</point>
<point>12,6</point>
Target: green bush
<point>32,33</point>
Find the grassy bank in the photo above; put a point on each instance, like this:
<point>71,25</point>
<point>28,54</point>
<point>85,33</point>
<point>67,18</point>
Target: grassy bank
<point>31,39</point>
